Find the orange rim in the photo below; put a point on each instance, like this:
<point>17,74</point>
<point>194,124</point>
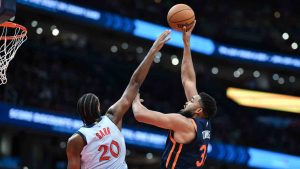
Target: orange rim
<point>13,25</point>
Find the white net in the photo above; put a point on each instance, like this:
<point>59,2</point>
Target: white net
<point>9,46</point>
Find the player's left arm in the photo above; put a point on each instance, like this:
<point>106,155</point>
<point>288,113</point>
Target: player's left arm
<point>117,110</point>
<point>172,121</point>
<point>188,75</point>
<point>74,147</point>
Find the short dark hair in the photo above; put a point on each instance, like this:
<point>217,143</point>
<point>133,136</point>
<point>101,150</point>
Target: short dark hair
<point>87,107</point>
<point>209,105</point>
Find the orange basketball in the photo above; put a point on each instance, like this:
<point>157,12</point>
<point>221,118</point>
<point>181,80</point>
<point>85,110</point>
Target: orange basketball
<point>181,15</point>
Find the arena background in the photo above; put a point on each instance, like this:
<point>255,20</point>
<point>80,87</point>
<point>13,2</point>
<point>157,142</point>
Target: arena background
<point>240,49</point>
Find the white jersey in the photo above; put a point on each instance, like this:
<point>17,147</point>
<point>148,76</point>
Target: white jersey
<point>105,148</point>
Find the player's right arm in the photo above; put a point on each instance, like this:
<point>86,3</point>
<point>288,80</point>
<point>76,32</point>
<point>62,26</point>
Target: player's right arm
<point>188,75</point>
<point>117,110</point>
<point>172,121</point>
<point>74,147</point>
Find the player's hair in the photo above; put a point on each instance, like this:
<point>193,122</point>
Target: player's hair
<point>87,107</point>
<point>209,105</point>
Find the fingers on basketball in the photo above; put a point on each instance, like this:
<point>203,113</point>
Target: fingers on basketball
<point>194,24</point>
<point>180,15</point>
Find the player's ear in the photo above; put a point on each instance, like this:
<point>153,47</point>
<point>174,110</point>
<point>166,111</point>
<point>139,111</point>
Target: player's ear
<point>199,110</point>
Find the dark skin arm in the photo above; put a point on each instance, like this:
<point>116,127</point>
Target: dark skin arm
<point>182,126</point>
<point>117,110</point>
<point>188,75</point>
<point>74,147</point>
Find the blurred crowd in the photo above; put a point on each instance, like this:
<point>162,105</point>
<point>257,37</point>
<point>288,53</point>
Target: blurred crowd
<point>51,73</point>
<point>254,24</point>
<point>53,77</point>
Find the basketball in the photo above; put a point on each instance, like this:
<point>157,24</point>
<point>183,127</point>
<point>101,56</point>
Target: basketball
<point>181,15</point>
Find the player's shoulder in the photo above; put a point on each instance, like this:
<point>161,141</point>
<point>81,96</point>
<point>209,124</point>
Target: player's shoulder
<point>181,122</point>
<point>73,138</point>
<point>111,115</point>
<point>202,123</point>
<point>76,139</point>
<point>177,116</point>
<point>75,145</point>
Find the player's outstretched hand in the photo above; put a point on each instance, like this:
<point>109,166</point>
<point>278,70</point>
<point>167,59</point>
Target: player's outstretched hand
<point>186,34</point>
<point>161,40</point>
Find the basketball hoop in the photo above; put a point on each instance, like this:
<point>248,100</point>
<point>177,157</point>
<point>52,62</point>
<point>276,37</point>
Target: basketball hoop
<point>12,37</point>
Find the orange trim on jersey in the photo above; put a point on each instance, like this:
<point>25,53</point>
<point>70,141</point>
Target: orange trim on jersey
<point>172,139</point>
<point>177,155</point>
<point>171,152</point>
<point>194,123</point>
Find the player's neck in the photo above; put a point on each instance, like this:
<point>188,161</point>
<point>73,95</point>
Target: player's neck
<point>198,115</point>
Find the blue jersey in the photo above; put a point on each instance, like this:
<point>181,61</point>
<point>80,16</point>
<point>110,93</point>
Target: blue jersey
<point>187,156</point>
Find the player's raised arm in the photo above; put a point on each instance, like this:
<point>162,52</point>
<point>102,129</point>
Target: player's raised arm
<point>172,121</point>
<point>188,76</point>
<point>117,110</point>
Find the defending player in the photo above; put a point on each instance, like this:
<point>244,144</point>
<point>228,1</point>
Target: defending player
<point>99,144</point>
<point>189,135</point>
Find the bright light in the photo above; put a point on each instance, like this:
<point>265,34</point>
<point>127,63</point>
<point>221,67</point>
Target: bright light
<point>277,14</point>
<point>12,18</point>
<point>124,45</point>
<point>241,70</point>
<point>139,50</point>
<point>264,100</point>
<point>53,27</point>
<point>25,167</point>
<point>175,61</point>
<point>285,36</point>
<point>114,49</point>
<point>258,56</point>
<point>294,45</point>
<point>214,70</point>
<point>55,32</point>
<point>156,59</point>
<point>174,56</point>
<point>275,76</point>
<point>34,23</point>
<point>149,156</point>
<point>62,144</point>
<point>292,79</point>
<point>236,74</point>
<point>158,54</point>
<point>256,74</point>
<point>281,80</point>
<point>39,30</point>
